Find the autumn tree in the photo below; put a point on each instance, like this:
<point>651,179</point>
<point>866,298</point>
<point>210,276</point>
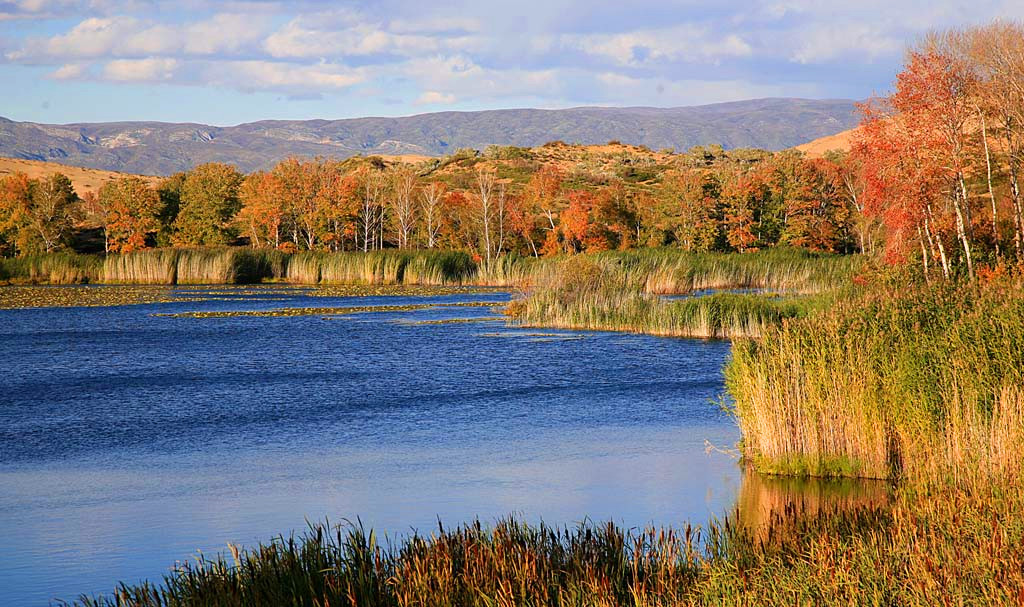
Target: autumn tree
<point>541,203</point>
<point>903,186</point>
<point>263,211</point>
<point>209,202</point>
<point>743,196</point>
<point>372,190</point>
<point>490,196</point>
<point>128,210</point>
<point>37,214</point>
<point>846,169</point>
<point>932,94</point>
<point>687,211</point>
<point>816,213</point>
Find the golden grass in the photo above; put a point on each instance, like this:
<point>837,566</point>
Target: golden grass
<point>923,384</point>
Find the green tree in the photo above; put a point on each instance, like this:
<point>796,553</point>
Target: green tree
<point>169,191</point>
<point>209,202</point>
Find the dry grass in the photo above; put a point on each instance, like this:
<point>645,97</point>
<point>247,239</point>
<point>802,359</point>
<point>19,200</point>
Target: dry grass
<point>83,179</point>
<point>918,383</point>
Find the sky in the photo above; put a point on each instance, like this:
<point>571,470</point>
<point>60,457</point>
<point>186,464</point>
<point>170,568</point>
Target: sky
<point>231,62</point>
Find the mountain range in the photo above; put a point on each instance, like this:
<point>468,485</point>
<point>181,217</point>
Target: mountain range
<point>159,148</point>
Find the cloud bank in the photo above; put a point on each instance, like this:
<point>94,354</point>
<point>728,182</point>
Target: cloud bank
<point>553,53</point>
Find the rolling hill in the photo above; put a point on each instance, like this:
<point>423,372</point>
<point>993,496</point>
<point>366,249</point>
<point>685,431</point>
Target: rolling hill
<point>839,142</point>
<point>84,180</point>
<point>157,148</point>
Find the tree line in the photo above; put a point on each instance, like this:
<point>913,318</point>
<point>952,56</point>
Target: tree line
<point>502,201</point>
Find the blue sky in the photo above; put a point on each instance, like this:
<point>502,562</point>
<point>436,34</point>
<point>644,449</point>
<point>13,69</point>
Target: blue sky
<point>231,62</point>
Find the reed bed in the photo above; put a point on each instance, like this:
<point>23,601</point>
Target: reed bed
<point>668,271</point>
<point>609,293</point>
<point>194,266</point>
<point>921,383</point>
<point>662,271</point>
<point>53,268</point>
<point>389,267</point>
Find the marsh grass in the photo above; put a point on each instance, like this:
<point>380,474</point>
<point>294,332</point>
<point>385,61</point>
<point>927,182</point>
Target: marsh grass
<point>194,266</point>
<point>381,267</point>
<point>958,546</point>
<point>610,293</point>
<point>921,383</point>
<point>52,268</point>
<point>663,271</point>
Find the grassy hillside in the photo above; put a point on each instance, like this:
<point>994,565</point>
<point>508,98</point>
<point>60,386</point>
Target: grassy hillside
<point>84,180</point>
<point>839,141</point>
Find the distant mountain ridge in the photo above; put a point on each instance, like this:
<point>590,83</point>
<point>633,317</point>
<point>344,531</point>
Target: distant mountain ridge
<point>158,148</point>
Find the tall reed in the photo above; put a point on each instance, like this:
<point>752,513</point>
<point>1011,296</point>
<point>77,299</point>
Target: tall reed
<point>194,266</point>
<point>431,268</point>
<point>923,383</point>
<point>52,268</point>
<point>609,292</point>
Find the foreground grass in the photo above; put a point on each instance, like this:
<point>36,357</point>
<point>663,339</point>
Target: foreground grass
<point>946,546</point>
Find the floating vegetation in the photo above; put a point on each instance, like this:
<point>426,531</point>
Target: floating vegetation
<point>365,290</point>
<point>325,311</point>
<point>451,321</point>
<point>13,297</point>
<point>43,296</point>
<point>534,335</point>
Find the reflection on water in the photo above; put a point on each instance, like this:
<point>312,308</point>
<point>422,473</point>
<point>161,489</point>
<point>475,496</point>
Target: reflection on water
<point>762,497</point>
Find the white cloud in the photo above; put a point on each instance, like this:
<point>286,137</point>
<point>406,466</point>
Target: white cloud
<point>435,97</point>
<point>685,43</point>
<point>70,71</point>
<point>627,90</point>
<point>269,75</point>
<point>154,69</point>
<point>827,43</point>
<point>127,37</point>
<point>307,37</point>
<point>462,77</point>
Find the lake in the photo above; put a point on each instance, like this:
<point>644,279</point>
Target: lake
<point>129,441</point>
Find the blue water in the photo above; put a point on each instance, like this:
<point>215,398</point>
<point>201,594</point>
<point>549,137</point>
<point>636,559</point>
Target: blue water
<point>129,441</point>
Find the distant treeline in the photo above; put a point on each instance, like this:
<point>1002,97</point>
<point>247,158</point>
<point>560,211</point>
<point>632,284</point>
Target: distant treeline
<point>531,202</point>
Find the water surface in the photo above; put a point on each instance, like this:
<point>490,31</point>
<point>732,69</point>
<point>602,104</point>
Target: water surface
<point>129,441</point>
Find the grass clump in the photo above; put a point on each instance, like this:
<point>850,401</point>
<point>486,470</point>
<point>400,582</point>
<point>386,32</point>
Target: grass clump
<point>194,266</point>
<point>609,292</point>
<point>386,267</point>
